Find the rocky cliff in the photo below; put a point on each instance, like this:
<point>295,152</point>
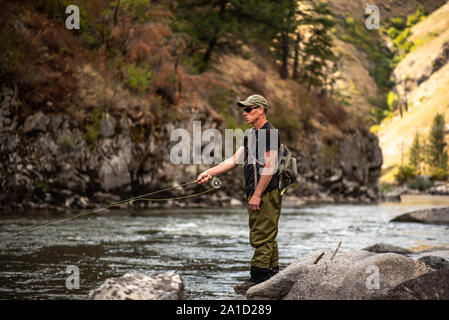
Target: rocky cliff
<point>76,131</point>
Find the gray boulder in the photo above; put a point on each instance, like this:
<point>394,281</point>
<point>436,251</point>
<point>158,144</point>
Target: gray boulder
<point>107,126</point>
<point>36,122</point>
<point>434,262</point>
<point>430,286</point>
<point>385,248</point>
<point>390,197</point>
<point>167,286</point>
<point>431,216</point>
<point>351,275</point>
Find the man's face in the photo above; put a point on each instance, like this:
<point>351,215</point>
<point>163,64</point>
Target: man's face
<point>252,114</point>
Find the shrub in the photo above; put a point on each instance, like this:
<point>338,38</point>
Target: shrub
<point>439,174</point>
<point>420,183</point>
<point>405,173</point>
<point>392,101</point>
<point>397,22</point>
<point>138,78</point>
<point>419,15</point>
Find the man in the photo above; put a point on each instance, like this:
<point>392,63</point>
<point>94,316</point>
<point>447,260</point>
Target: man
<point>259,151</point>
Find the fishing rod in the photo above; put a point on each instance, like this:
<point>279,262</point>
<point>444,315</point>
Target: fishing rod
<point>215,184</point>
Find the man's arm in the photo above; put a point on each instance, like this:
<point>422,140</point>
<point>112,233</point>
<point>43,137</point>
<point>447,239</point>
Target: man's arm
<point>223,167</point>
<point>267,173</point>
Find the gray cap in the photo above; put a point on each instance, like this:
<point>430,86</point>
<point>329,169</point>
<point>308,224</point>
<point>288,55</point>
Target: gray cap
<point>254,100</point>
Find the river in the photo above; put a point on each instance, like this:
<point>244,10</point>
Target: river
<point>209,248</point>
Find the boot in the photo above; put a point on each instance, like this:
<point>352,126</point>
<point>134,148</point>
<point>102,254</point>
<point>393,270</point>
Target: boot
<point>274,271</point>
<point>258,275</point>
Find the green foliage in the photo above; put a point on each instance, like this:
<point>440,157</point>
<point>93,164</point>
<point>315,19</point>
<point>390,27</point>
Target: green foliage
<point>397,23</point>
<point>386,187</point>
<point>438,174</point>
<point>419,15</point>
<point>420,183</point>
<point>318,51</point>
<point>404,174</point>
<point>138,78</point>
<point>368,41</point>
<point>42,185</point>
<point>92,134</point>
<point>416,155</point>
<point>392,100</point>
<point>221,100</point>
<point>208,24</point>
<point>141,9</point>
<point>436,150</point>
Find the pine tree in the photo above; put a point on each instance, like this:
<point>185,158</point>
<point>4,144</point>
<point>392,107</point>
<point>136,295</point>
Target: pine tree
<point>319,57</point>
<point>416,154</point>
<point>209,25</point>
<point>436,150</point>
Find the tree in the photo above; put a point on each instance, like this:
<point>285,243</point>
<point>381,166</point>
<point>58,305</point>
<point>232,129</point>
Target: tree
<point>436,150</point>
<point>416,153</point>
<point>319,58</point>
<point>209,24</point>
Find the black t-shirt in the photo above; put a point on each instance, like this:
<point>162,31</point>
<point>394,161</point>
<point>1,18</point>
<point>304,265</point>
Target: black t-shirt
<point>269,135</point>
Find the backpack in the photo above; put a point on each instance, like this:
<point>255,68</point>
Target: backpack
<point>287,170</point>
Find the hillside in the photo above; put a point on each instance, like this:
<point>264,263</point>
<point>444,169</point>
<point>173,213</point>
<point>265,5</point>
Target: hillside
<point>422,78</point>
<point>363,51</point>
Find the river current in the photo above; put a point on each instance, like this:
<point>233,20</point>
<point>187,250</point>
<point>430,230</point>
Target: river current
<point>209,248</point>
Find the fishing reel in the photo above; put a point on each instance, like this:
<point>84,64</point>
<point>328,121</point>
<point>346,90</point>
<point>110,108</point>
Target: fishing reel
<point>215,183</point>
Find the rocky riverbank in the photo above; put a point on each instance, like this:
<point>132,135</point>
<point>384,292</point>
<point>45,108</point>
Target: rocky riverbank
<point>353,275</point>
<point>53,162</point>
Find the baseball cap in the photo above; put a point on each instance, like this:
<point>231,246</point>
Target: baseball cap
<point>253,100</point>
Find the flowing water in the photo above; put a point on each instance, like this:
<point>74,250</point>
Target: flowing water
<point>209,248</point>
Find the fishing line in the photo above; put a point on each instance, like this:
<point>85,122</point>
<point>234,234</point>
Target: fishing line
<point>215,182</point>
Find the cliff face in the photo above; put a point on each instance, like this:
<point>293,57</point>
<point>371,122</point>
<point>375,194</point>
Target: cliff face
<point>74,137</point>
<point>422,82</point>
<point>357,83</point>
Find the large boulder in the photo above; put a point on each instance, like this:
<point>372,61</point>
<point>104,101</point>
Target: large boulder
<point>167,286</point>
<point>350,275</point>
<point>430,286</point>
<point>431,216</point>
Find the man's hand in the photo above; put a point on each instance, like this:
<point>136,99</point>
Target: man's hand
<point>203,177</point>
<point>254,203</point>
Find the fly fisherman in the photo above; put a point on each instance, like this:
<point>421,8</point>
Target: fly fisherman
<point>259,150</point>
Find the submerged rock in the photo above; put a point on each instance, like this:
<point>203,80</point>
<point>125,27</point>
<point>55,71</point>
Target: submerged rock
<point>350,275</point>
<point>384,248</point>
<point>167,286</point>
<point>431,216</point>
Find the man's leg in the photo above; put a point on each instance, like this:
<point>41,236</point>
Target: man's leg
<point>263,226</point>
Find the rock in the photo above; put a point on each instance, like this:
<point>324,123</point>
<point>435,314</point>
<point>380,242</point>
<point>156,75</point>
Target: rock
<point>348,276</point>
<point>168,286</point>
<point>235,203</point>
<point>433,285</point>
<point>114,173</point>
<point>390,197</point>
<point>440,189</point>
<point>107,126</point>
<point>436,263</point>
<point>36,122</point>
<point>431,216</point>
<point>384,248</point>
